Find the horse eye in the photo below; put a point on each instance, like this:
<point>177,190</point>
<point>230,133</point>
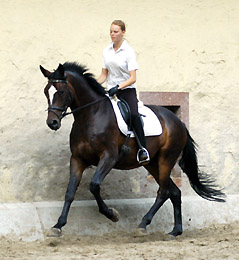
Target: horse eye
<point>61,92</point>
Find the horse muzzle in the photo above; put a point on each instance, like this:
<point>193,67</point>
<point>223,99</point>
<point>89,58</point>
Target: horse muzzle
<point>54,124</point>
<point>54,118</point>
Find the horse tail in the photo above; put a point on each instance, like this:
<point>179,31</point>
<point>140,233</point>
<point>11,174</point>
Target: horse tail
<point>202,184</point>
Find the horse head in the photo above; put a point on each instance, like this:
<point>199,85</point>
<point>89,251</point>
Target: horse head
<point>58,96</point>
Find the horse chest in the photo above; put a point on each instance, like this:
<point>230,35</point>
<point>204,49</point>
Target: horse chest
<point>86,152</point>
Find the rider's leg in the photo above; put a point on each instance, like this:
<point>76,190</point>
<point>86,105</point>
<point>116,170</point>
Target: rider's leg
<point>130,96</point>
<point>143,155</point>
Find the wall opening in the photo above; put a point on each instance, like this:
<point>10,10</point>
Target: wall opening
<point>174,109</point>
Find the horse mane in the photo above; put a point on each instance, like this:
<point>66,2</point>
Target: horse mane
<point>89,77</point>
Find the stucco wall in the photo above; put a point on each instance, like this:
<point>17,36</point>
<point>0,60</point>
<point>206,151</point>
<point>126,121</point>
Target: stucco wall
<point>186,46</point>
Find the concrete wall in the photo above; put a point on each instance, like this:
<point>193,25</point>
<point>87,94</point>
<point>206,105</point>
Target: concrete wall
<point>185,46</point>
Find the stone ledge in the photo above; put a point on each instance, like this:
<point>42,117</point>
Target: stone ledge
<point>30,221</point>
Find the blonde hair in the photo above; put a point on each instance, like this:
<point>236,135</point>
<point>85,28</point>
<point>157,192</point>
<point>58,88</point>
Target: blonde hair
<point>120,23</point>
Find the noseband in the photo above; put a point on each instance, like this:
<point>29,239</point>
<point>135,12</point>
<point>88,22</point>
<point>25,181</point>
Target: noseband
<point>52,108</point>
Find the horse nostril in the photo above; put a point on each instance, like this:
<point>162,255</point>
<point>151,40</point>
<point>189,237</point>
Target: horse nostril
<point>54,124</point>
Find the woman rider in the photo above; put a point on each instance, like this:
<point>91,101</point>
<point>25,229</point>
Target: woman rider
<point>119,69</point>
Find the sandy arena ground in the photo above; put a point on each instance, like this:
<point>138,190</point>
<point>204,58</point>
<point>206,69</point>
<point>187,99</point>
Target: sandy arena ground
<point>215,242</point>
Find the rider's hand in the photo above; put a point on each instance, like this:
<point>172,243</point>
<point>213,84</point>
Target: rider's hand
<point>113,91</point>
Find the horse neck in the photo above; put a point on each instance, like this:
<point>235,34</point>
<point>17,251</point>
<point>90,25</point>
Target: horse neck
<point>82,95</point>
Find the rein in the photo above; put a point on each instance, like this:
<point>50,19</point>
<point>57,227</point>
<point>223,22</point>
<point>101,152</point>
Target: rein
<point>81,107</point>
<point>63,110</point>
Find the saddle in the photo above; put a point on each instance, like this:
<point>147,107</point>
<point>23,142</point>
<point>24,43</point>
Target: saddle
<point>126,113</point>
<point>151,123</point>
<point>123,117</point>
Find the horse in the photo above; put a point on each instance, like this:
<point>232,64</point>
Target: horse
<point>95,140</point>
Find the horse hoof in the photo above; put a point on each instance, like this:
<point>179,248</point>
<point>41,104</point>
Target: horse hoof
<point>116,215</point>
<point>140,232</point>
<point>175,232</point>
<point>54,232</point>
<point>171,236</point>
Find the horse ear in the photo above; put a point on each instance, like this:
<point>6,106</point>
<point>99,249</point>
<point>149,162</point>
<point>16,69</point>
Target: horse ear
<point>45,72</point>
<point>61,69</point>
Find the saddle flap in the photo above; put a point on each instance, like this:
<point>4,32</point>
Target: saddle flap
<point>125,111</point>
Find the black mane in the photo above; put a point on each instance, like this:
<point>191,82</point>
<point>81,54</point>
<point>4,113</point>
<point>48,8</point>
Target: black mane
<point>89,77</point>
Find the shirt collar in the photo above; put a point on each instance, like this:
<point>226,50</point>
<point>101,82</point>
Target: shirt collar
<point>122,47</point>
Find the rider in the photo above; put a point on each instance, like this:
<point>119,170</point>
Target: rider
<point>119,69</point>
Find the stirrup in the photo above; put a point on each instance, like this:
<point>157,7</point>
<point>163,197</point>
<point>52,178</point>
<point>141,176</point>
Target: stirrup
<point>146,159</point>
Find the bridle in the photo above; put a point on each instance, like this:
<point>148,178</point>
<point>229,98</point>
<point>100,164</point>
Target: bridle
<point>63,110</point>
<point>53,108</point>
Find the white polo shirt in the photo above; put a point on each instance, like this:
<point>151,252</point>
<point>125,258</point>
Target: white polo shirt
<point>119,63</point>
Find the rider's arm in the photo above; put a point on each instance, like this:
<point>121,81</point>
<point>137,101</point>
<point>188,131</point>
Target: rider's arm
<point>103,76</point>
<point>131,80</point>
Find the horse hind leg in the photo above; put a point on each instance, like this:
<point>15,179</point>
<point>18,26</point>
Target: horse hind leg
<point>162,195</point>
<point>167,190</point>
<point>175,197</point>
<point>141,230</point>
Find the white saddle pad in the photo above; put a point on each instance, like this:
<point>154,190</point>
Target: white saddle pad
<point>152,125</point>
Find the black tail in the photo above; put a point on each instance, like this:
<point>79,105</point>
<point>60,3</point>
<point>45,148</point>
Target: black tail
<point>202,184</point>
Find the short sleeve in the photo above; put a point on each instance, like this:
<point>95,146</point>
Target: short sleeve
<point>132,63</point>
<point>103,62</point>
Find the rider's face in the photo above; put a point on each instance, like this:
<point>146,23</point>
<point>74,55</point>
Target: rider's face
<point>116,33</point>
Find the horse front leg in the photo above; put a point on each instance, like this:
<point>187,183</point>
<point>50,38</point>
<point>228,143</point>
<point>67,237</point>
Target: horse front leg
<point>76,169</point>
<point>105,165</point>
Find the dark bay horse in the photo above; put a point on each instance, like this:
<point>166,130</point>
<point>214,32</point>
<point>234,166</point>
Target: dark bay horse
<point>96,140</point>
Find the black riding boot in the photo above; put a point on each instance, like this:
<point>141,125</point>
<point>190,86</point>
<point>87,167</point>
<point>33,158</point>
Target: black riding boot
<point>143,155</point>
